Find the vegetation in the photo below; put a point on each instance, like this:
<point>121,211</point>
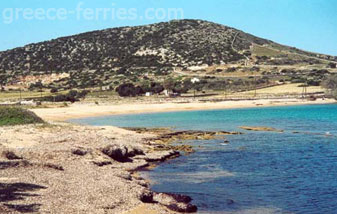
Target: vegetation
<point>129,90</point>
<point>331,85</point>
<point>10,116</point>
<point>71,96</point>
<point>151,58</point>
<point>114,56</point>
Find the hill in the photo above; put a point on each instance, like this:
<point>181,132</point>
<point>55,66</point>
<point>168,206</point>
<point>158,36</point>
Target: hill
<point>114,55</point>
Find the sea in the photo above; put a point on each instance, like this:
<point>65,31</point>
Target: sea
<point>256,172</point>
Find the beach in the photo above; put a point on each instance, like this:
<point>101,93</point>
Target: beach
<point>80,110</point>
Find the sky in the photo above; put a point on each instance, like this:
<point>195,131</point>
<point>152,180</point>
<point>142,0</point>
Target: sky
<point>306,24</point>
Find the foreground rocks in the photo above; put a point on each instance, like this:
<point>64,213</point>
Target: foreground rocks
<point>64,168</point>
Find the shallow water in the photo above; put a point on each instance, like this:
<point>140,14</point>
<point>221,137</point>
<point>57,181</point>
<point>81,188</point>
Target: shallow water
<point>258,172</point>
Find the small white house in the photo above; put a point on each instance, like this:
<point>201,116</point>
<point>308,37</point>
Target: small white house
<point>106,88</point>
<point>148,94</point>
<point>166,93</point>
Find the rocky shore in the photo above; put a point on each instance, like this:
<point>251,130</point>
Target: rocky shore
<point>66,168</point>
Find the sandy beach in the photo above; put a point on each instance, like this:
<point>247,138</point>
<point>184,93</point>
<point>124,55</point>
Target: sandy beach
<point>80,110</point>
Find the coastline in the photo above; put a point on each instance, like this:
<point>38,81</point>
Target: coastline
<point>45,150</point>
<point>82,110</point>
<point>69,168</point>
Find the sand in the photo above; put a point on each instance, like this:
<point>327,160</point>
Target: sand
<point>80,110</point>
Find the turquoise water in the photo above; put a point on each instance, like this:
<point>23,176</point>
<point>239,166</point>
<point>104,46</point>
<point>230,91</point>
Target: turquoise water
<point>258,172</point>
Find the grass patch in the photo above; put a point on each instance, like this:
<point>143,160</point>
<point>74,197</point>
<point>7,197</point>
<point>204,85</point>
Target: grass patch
<point>10,116</point>
<point>265,51</point>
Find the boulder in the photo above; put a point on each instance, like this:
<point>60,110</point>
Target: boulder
<point>10,155</point>
<point>117,152</point>
<point>146,196</point>
<point>176,202</point>
<point>80,152</point>
<point>135,151</point>
<point>183,208</point>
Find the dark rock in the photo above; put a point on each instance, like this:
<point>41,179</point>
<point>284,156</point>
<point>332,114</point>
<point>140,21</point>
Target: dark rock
<point>11,155</point>
<point>183,208</point>
<point>146,197</point>
<point>102,163</point>
<point>230,201</point>
<point>135,151</point>
<point>180,198</point>
<point>80,152</point>
<point>53,166</point>
<point>176,202</point>
<point>116,152</point>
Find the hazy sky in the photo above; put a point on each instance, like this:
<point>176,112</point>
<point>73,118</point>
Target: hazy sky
<point>306,24</point>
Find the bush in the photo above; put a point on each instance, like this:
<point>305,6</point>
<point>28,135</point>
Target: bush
<point>157,88</point>
<point>331,85</point>
<point>10,116</point>
<point>72,96</point>
<point>129,90</point>
<point>332,65</point>
<point>53,90</point>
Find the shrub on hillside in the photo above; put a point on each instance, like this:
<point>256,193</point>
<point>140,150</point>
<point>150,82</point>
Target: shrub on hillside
<point>53,90</point>
<point>330,83</point>
<point>129,90</point>
<point>71,96</point>
<point>10,116</point>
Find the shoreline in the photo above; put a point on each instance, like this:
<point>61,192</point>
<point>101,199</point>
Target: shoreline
<point>91,140</point>
<point>53,160</point>
<point>83,110</point>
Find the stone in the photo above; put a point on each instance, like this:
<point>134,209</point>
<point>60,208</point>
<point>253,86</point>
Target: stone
<point>117,152</point>
<point>146,197</point>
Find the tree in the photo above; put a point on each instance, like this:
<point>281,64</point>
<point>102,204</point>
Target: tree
<point>332,65</point>
<point>3,80</point>
<point>157,88</point>
<point>331,85</point>
<point>129,90</point>
<point>169,84</point>
<point>53,90</point>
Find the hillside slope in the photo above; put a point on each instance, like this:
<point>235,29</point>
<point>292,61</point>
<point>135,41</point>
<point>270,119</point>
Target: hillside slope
<point>116,55</point>
<point>176,43</point>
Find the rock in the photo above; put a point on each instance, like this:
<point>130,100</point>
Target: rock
<point>185,148</point>
<point>126,176</point>
<point>180,198</point>
<point>176,202</point>
<point>135,151</point>
<point>10,155</point>
<point>80,152</point>
<point>258,128</point>
<point>183,208</point>
<point>53,166</point>
<point>230,201</point>
<point>143,183</point>
<point>146,197</point>
<point>102,163</point>
<point>116,152</point>
<point>161,156</point>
